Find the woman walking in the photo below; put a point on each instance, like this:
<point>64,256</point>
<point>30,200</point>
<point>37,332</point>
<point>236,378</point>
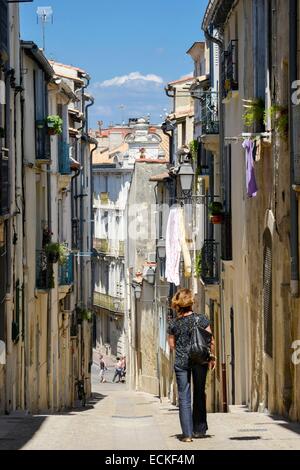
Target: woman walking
<point>193,422</point>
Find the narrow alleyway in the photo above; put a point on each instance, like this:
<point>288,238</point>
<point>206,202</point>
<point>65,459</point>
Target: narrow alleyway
<point>117,419</point>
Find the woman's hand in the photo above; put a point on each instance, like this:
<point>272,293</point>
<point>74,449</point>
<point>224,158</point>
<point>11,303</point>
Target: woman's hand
<point>212,365</point>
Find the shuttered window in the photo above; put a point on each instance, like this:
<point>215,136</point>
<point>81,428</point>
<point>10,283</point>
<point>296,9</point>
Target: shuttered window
<point>267,295</point>
<point>3,26</point>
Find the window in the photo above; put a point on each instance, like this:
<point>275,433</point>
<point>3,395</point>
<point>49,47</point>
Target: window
<point>3,26</point>
<point>227,225</point>
<point>267,294</point>
<point>3,278</point>
<point>259,48</point>
<point>40,101</point>
<point>183,130</point>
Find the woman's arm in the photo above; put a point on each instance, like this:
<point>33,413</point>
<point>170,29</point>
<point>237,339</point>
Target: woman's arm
<point>212,364</point>
<point>171,341</point>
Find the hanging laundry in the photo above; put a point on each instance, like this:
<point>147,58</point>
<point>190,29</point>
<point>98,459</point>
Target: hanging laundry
<point>173,247</point>
<point>251,185</point>
<point>184,246</point>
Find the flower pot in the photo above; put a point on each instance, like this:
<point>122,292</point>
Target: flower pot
<point>216,219</point>
<point>51,131</point>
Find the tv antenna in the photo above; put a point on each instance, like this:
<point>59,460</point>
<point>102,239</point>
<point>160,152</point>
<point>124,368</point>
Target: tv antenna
<point>122,108</point>
<point>44,16</point>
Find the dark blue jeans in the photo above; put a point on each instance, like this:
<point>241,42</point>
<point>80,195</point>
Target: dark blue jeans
<point>196,420</point>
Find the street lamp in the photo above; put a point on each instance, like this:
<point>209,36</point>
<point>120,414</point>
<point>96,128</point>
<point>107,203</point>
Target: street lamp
<point>137,291</point>
<point>149,275</point>
<point>186,175</point>
<point>161,248</point>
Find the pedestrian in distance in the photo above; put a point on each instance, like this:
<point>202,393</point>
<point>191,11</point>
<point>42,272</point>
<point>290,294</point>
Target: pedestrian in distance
<point>118,371</point>
<point>103,368</point>
<point>193,421</point>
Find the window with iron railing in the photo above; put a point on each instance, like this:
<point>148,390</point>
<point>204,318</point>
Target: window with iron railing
<point>210,262</point>
<point>230,80</point>
<point>210,112</point>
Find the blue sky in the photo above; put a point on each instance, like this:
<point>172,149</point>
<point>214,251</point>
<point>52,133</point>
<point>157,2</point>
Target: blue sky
<point>131,49</point>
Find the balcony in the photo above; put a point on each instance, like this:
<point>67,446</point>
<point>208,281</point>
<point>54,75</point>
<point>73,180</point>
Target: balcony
<point>66,272</point>
<point>64,158</point>
<point>4,183</point>
<point>44,272</point>
<point>104,198</point>
<point>113,304</point>
<point>210,113</point>
<point>110,247</point>
<point>101,245</point>
<point>230,70</point>
<point>121,248</point>
<point>210,263</point>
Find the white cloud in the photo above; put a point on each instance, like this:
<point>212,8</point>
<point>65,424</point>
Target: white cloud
<point>131,77</point>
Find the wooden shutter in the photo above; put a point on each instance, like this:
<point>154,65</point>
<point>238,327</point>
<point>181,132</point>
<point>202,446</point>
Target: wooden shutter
<point>267,295</point>
<point>3,26</point>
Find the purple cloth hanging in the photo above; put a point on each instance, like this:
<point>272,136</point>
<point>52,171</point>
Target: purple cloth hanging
<point>250,174</point>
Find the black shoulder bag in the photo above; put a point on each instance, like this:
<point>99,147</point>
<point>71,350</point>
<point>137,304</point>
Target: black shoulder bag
<point>201,339</point>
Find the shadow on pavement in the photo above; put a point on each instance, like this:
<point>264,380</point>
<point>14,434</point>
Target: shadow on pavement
<point>19,431</point>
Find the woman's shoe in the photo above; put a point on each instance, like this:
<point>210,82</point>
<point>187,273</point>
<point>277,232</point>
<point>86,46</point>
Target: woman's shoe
<point>186,439</point>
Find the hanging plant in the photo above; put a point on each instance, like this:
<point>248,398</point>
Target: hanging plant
<point>54,124</point>
<point>198,265</point>
<point>194,147</point>
<point>254,112</point>
<point>280,119</point>
<point>57,253</point>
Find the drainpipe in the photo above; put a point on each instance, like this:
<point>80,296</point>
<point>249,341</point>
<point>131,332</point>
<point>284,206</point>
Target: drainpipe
<point>220,44</point>
<point>293,66</point>
<point>95,142</point>
<point>92,101</point>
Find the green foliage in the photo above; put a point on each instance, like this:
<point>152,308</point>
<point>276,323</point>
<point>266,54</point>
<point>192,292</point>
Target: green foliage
<point>215,208</point>
<point>280,119</point>
<point>254,112</point>
<point>55,124</point>
<point>57,252</point>
<point>198,264</point>
<point>194,147</point>
<point>84,313</point>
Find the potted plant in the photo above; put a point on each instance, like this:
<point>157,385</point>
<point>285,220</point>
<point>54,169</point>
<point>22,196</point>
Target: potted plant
<point>216,214</point>
<point>54,124</point>
<point>254,113</point>
<point>57,252</point>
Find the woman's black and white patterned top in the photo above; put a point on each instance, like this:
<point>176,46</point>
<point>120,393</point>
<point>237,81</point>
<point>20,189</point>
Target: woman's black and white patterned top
<point>181,328</point>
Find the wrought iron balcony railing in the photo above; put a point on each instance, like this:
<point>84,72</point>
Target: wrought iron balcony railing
<point>66,272</point>
<point>64,158</point>
<point>108,302</point>
<point>44,271</point>
<point>230,80</point>
<point>110,247</point>
<point>210,113</point>
<point>210,262</point>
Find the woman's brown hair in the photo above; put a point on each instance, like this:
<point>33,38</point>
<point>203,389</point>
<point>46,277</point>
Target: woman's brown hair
<point>182,301</point>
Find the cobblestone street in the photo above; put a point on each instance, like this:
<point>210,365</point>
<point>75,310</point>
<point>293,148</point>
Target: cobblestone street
<point>117,419</point>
